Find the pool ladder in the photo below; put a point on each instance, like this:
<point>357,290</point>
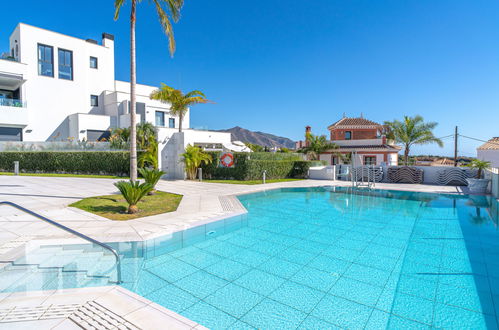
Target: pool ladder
<point>74,232</point>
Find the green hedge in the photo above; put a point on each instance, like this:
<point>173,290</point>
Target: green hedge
<point>250,166</point>
<point>78,162</point>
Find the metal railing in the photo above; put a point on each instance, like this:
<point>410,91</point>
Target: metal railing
<point>12,103</point>
<point>71,231</point>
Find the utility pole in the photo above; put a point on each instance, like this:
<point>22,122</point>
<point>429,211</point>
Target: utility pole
<point>455,147</point>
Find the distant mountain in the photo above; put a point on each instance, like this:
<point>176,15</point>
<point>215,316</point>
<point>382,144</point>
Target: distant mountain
<point>260,138</point>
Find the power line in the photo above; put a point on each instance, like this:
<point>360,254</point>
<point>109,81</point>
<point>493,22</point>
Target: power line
<point>472,138</point>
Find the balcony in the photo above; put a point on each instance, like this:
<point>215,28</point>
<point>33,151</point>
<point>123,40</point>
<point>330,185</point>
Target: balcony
<point>13,113</point>
<point>15,103</point>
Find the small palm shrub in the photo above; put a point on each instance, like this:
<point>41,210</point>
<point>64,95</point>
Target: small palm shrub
<point>193,158</point>
<point>151,176</point>
<point>480,166</point>
<point>133,192</point>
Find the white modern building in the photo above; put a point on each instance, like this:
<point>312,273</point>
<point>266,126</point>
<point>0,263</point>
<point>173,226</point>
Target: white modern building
<point>55,87</point>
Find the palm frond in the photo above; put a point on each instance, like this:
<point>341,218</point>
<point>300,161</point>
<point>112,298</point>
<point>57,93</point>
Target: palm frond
<point>117,7</point>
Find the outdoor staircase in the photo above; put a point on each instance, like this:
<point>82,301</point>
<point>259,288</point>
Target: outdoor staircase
<point>57,267</point>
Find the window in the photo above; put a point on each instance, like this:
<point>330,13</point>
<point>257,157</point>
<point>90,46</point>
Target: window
<point>171,122</point>
<point>95,135</point>
<point>160,118</point>
<point>11,134</point>
<point>94,100</point>
<point>369,160</point>
<point>65,64</point>
<point>94,62</point>
<point>45,60</point>
<point>348,135</point>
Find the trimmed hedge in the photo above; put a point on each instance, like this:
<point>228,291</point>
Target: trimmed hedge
<point>250,166</point>
<point>78,162</point>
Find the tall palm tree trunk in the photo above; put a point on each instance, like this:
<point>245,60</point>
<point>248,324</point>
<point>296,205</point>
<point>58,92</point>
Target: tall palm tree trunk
<point>180,119</point>
<point>406,156</point>
<point>133,82</point>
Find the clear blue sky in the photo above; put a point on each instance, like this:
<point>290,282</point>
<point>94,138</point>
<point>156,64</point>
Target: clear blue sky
<point>276,66</point>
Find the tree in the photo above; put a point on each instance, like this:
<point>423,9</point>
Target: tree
<point>254,147</point>
<point>179,102</point>
<point>167,10</point>
<point>412,131</point>
<point>146,141</point>
<point>480,166</point>
<point>193,157</point>
<point>317,144</point>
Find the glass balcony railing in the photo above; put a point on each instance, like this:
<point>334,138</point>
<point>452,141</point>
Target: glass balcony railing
<point>8,57</point>
<point>12,103</point>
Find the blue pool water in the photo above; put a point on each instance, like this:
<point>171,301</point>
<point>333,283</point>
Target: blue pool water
<point>320,258</point>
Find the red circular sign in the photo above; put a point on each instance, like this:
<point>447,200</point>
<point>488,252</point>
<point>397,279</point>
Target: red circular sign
<point>227,159</point>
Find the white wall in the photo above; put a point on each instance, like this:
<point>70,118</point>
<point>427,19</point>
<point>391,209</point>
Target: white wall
<point>51,100</point>
<point>490,156</point>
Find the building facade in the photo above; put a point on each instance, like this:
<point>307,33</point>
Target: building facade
<point>360,141</point>
<point>489,151</point>
<point>55,87</point>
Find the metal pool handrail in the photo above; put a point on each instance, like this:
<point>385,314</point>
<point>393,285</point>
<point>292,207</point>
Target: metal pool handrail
<point>71,231</point>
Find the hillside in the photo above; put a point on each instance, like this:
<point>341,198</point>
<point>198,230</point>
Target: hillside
<point>260,138</point>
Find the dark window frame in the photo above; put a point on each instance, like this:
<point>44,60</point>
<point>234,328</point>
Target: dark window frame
<point>96,62</point>
<point>92,98</point>
<point>156,118</point>
<point>59,63</point>
<point>349,133</point>
<point>370,157</point>
<point>170,122</point>
<point>40,60</point>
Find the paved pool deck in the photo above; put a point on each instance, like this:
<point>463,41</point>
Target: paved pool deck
<point>50,196</point>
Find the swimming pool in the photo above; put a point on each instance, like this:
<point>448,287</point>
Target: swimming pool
<point>315,258</point>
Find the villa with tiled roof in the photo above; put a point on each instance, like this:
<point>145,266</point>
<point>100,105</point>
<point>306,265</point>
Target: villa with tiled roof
<point>363,138</point>
<point>489,151</point>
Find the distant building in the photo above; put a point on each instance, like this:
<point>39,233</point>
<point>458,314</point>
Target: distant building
<point>363,138</point>
<point>489,151</point>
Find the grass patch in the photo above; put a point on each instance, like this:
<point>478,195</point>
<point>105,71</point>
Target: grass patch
<point>251,182</point>
<point>93,176</point>
<point>115,207</point>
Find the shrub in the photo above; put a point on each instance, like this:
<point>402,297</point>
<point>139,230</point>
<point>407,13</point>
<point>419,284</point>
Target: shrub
<point>250,166</point>
<point>77,162</point>
<point>133,192</point>
<point>151,176</point>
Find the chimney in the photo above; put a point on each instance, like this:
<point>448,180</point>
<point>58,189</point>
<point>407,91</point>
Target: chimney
<point>107,40</point>
<point>308,131</point>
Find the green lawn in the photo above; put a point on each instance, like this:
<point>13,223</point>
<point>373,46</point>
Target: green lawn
<point>67,175</point>
<point>114,207</point>
<point>251,182</point>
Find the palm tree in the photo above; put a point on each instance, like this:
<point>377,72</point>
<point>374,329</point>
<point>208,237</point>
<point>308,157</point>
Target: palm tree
<point>179,102</point>
<point>317,144</point>
<point>480,166</point>
<point>193,158</point>
<point>412,131</point>
<point>167,10</point>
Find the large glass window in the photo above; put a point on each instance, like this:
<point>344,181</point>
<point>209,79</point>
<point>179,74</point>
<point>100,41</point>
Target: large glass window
<point>94,62</point>
<point>94,100</point>
<point>11,134</point>
<point>45,60</point>
<point>65,64</point>
<point>171,123</point>
<point>160,118</point>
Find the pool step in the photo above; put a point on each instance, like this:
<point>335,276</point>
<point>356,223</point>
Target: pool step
<point>55,267</point>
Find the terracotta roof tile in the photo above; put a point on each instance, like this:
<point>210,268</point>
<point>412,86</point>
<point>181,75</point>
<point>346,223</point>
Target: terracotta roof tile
<point>359,121</point>
<point>492,144</point>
